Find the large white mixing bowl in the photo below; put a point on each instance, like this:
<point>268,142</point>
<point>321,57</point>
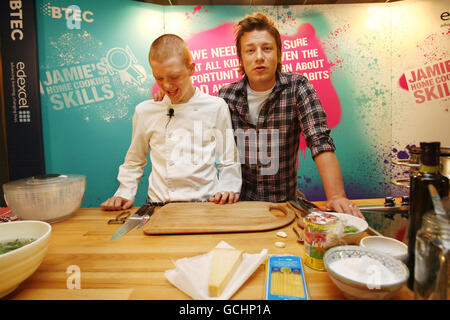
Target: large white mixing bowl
<point>17,265</point>
<point>375,287</point>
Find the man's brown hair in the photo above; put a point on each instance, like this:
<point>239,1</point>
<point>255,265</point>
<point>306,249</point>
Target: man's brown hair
<point>167,46</point>
<point>257,21</point>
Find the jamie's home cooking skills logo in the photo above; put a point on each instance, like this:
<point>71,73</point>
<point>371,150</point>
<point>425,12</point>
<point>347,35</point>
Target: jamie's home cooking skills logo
<point>428,82</point>
<point>84,84</point>
<point>83,70</point>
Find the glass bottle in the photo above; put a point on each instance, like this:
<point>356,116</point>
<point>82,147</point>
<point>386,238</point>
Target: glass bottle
<point>432,267</point>
<point>420,199</point>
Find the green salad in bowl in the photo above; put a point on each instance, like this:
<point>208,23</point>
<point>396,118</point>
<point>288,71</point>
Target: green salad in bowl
<point>10,245</point>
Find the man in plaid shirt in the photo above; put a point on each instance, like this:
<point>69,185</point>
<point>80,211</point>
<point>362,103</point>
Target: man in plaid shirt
<point>269,110</point>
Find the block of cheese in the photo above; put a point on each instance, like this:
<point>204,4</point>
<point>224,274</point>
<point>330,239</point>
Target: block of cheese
<point>224,263</point>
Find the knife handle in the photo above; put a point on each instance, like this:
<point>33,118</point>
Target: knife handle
<point>144,209</point>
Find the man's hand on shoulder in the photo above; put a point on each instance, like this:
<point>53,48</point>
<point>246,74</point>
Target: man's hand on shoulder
<point>158,96</point>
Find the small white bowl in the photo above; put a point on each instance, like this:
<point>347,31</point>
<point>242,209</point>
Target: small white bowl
<point>390,246</point>
<point>349,220</point>
<point>378,288</point>
<point>17,265</point>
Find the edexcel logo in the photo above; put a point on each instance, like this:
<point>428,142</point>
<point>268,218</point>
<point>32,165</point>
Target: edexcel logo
<point>73,15</point>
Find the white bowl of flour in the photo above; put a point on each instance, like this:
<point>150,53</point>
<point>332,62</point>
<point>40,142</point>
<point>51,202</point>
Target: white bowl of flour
<point>362,273</point>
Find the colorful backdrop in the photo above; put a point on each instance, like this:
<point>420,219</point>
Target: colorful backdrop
<point>94,70</point>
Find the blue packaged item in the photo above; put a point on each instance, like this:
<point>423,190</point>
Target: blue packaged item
<point>284,279</point>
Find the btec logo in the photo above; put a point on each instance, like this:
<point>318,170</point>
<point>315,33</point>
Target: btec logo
<point>73,15</point>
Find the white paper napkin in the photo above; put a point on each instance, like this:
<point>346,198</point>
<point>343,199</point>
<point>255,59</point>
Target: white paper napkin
<point>191,275</point>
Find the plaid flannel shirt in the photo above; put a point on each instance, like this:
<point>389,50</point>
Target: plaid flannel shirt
<point>268,151</point>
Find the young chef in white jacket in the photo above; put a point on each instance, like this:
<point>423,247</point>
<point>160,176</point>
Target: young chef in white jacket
<point>185,133</point>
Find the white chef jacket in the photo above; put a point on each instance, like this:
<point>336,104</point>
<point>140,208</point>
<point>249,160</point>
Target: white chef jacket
<point>183,150</point>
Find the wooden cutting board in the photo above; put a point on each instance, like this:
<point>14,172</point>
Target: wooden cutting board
<point>205,217</point>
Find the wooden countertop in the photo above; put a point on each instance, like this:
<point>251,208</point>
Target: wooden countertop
<point>133,266</point>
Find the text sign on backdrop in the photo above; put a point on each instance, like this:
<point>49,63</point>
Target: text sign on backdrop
<point>21,88</point>
<point>217,64</point>
<point>428,83</point>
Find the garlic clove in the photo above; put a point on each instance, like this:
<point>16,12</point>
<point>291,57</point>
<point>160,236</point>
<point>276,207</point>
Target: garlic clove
<point>280,244</point>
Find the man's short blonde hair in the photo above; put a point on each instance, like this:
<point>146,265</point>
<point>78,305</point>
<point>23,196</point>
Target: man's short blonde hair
<point>167,46</point>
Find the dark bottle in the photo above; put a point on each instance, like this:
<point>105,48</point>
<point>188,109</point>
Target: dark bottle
<point>419,196</point>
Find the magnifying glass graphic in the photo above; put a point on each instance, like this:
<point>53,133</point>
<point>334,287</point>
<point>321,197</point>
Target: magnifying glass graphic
<point>119,60</point>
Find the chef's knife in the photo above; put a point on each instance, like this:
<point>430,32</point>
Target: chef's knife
<point>137,218</point>
<point>304,206</point>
